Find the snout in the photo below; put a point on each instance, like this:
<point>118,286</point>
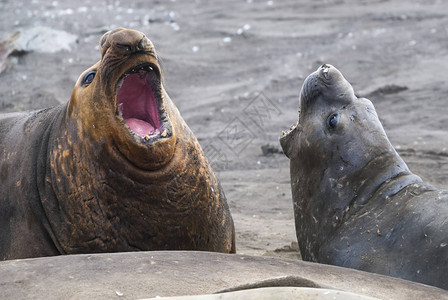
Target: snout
<point>329,85</point>
<point>329,74</point>
<point>124,42</point>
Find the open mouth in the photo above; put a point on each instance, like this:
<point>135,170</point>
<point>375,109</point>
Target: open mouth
<point>138,101</point>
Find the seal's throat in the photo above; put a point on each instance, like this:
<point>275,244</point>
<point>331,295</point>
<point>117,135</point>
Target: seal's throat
<point>138,102</point>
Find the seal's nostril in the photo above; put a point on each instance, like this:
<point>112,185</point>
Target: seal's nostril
<point>103,40</point>
<point>325,71</point>
<point>142,44</point>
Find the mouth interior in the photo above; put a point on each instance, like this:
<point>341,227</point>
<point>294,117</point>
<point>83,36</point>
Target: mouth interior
<point>137,102</point>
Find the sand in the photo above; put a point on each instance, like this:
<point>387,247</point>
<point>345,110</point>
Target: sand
<point>235,68</point>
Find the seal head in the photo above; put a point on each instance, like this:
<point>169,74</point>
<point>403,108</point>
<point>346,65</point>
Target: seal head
<point>127,82</point>
<point>340,157</point>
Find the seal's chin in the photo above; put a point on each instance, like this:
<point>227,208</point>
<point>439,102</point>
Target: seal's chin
<point>138,101</point>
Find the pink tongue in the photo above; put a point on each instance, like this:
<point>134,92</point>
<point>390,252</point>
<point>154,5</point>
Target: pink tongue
<point>140,127</point>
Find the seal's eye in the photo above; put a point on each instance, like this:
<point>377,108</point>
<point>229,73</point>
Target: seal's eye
<point>88,78</point>
<point>333,121</point>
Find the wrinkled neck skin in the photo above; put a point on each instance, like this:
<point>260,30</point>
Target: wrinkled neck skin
<point>106,202</point>
<point>336,171</point>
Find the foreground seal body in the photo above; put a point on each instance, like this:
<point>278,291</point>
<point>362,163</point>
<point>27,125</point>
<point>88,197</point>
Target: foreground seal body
<point>356,203</point>
<point>138,275</point>
<point>115,169</point>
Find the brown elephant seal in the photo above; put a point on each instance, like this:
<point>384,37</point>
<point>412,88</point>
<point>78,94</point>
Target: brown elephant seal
<point>356,203</point>
<point>145,274</point>
<point>114,169</point>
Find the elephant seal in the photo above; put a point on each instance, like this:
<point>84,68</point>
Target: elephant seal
<point>114,169</point>
<point>145,274</point>
<point>356,204</point>
<point>275,293</point>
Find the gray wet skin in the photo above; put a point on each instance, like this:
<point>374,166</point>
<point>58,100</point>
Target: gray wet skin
<point>356,203</point>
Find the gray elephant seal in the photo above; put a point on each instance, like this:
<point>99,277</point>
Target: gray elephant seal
<point>114,169</point>
<point>356,203</point>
